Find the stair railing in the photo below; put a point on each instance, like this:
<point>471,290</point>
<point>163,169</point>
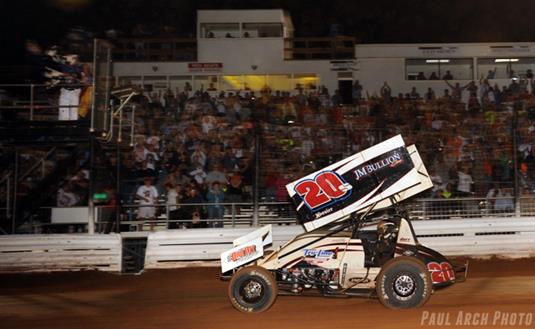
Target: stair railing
<point>40,162</point>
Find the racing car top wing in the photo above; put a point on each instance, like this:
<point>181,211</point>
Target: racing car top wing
<point>370,177</point>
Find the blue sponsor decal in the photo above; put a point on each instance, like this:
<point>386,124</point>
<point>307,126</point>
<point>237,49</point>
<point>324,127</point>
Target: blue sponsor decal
<point>314,253</point>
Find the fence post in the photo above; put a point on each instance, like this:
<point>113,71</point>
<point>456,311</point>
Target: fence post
<point>233,214</point>
<point>118,200</point>
<point>514,132</point>
<point>92,171</point>
<point>167,216</point>
<point>8,199</point>
<point>424,209</point>
<point>256,180</point>
<point>15,183</point>
<point>31,101</point>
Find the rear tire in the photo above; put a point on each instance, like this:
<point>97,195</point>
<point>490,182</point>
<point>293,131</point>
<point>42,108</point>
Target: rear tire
<point>403,282</point>
<point>252,289</point>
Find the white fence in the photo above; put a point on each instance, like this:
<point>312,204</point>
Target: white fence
<point>505,237</point>
<point>171,248</point>
<point>60,252</point>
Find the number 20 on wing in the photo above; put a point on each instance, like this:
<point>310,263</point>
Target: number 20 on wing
<point>327,187</point>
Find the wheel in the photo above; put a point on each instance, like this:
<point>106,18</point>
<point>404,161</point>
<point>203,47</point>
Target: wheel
<point>403,282</point>
<point>252,289</point>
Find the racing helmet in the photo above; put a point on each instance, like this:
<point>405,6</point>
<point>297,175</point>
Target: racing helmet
<point>386,229</point>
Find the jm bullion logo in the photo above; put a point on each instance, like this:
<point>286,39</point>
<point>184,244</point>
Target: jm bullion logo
<point>391,161</point>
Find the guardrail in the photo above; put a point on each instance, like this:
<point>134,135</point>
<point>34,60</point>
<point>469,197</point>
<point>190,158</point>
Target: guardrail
<point>504,237</point>
<point>61,252</point>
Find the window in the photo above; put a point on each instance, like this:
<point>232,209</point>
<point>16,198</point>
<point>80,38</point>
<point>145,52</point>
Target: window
<point>155,82</point>
<point>220,30</point>
<point>262,30</point>
<point>305,81</point>
<point>200,82</point>
<point>506,67</point>
<point>231,82</point>
<point>254,82</point>
<point>129,80</point>
<point>180,83</point>
<point>439,69</point>
<point>279,82</point>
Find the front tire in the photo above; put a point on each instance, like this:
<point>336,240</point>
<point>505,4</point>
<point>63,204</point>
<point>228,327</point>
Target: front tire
<point>404,282</point>
<point>252,289</point>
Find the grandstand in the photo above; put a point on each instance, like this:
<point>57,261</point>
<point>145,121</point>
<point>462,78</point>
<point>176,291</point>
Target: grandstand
<point>253,119</point>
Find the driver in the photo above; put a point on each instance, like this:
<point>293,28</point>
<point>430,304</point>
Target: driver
<point>386,235</point>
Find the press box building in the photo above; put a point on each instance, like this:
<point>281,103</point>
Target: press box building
<point>250,49</point>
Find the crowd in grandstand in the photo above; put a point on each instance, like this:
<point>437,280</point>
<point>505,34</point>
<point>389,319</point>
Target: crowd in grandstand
<point>200,145</point>
<point>197,148</point>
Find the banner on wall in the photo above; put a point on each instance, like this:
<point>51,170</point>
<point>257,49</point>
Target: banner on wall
<point>205,67</point>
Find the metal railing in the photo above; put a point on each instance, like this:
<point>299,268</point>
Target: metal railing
<point>340,47</point>
<point>278,213</point>
<point>35,99</point>
<point>38,165</point>
<point>6,184</point>
<point>155,49</point>
<point>185,49</point>
<point>464,208</point>
<point>230,214</point>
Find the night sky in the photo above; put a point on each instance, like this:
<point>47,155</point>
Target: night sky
<point>371,21</point>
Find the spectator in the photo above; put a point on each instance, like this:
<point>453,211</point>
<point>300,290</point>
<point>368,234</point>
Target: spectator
<point>504,201</point>
<point>147,196</point>
<point>173,199</point>
<point>464,185</point>
<point>429,95</point>
<point>386,92</point>
<point>193,209</point>
<point>216,175</point>
<point>491,73</point>
<point>357,92</point>
<point>414,95</point>
<point>216,210</point>
<point>235,187</point>
<point>66,197</point>
<point>433,76</point>
<point>198,175</point>
<point>447,76</point>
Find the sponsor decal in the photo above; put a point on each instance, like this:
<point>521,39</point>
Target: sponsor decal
<point>316,253</point>
<point>442,272</point>
<point>318,257</point>
<point>343,187</point>
<point>390,161</point>
<point>323,212</point>
<point>344,272</point>
<point>327,187</point>
<point>242,253</point>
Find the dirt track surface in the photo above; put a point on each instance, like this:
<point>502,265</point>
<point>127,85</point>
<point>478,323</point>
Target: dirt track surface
<point>196,298</point>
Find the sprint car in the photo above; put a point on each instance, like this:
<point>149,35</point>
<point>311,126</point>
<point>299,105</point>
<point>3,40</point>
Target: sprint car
<point>358,241</point>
